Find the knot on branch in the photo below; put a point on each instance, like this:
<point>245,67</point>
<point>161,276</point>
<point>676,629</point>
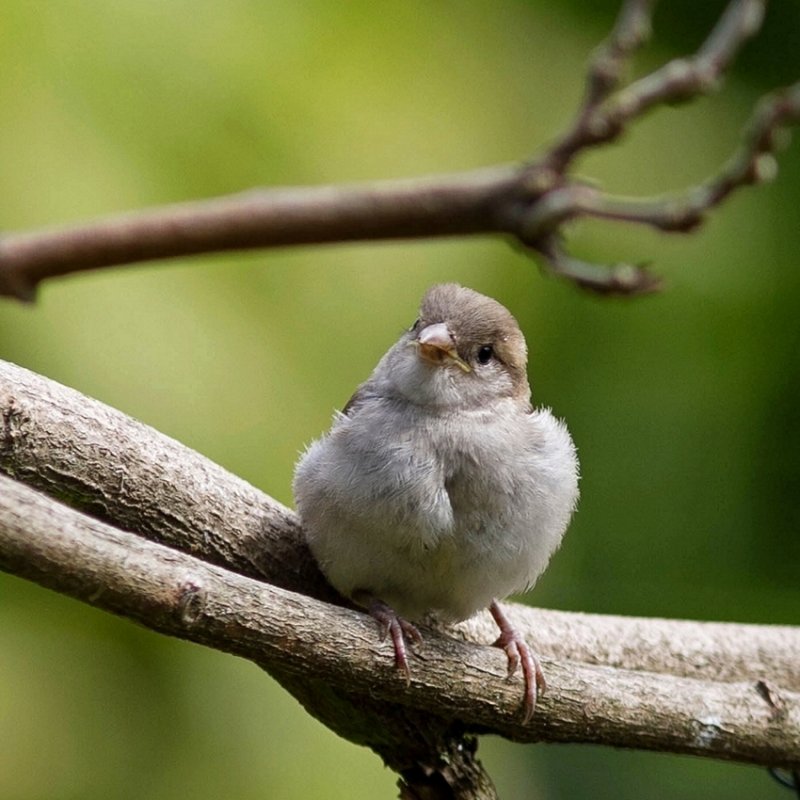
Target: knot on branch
<point>191,601</point>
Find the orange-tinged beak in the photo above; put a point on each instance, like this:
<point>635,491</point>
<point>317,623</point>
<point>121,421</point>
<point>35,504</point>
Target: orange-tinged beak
<point>436,345</point>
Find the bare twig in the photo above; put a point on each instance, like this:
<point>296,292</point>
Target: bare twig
<point>754,162</point>
<point>618,279</point>
<point>631,30</point>
<point>530,203</point>
<point>182,596</point>
<point>604,114</point>
<point>440,206</point>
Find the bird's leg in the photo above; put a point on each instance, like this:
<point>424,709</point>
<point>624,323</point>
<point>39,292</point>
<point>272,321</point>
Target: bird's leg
<point>403,633</point>
<point>519,652</point>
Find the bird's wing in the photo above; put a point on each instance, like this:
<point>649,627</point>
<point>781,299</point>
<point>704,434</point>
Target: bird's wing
<point>360,396</point>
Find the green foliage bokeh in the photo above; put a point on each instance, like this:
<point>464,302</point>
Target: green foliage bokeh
<point>683,405</point>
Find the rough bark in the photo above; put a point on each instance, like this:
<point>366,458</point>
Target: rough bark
<point>456,685</point>
<point>99,460</point>
<point>722,690</point>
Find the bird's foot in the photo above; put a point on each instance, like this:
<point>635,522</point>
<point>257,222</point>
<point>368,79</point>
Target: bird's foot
<point>403,633</point>
<point>519,652</point>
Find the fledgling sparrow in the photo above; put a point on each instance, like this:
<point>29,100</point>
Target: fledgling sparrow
<point>439,488</point>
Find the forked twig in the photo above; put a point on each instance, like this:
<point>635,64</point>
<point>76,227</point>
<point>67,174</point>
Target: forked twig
<point>608,110</point>
<point>530,202</point>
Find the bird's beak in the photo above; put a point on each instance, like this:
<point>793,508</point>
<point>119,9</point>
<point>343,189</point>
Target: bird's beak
<point>436,346</point>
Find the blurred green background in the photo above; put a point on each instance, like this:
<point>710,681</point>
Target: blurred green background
<point>684,405</point>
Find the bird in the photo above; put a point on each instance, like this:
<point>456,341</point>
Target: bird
<point>439,489</point>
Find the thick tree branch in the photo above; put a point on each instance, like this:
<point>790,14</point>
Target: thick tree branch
<point>83,452</point>
<point>182,596</point>
<point>529,203</point>
<point>100,461</point>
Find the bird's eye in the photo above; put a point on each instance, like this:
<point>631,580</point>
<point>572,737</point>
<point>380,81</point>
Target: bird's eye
<point>485,354</point>
<point>415,325</point>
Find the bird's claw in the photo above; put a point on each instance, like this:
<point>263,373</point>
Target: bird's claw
<point>403,633</point>
<point>519,652</point>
